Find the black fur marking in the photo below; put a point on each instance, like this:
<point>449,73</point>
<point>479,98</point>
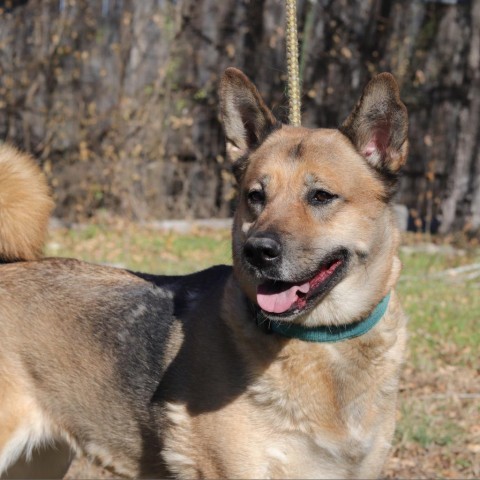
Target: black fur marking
<point>390,181</point>
<point>240,165</point>
<point>297,152</point>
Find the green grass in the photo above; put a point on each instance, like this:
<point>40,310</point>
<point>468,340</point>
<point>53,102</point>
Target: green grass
<point>142,249</point>
<point>444,309</point>
<point>426,425</point>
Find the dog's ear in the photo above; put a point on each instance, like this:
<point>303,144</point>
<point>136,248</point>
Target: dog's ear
<point>246,119</point>
<point>378,126</point>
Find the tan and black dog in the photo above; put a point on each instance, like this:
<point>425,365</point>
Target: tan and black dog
<point>284,366</point>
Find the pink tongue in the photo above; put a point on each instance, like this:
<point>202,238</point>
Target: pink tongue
<point>280,301</point>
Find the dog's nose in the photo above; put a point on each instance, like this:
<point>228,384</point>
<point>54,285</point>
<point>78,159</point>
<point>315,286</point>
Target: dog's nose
<point>261,251</point>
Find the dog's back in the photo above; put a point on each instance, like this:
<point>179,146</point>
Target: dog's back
<point>84,349</point>
<point>58,364</point>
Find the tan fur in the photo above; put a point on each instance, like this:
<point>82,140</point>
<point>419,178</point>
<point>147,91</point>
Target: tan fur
<point>156,376</point>
<point>25,206</point>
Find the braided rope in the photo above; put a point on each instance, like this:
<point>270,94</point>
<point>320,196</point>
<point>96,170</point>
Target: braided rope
<point>292,63</point>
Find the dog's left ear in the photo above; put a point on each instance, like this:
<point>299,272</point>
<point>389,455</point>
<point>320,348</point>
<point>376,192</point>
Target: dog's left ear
<point>246,119</point>
<point>378,125</point>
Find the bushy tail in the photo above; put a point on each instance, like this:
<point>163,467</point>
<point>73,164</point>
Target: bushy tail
<point>25,206</point>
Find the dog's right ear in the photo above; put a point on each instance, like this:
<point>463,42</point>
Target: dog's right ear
<point>246,119</point>
<point>378,125</point>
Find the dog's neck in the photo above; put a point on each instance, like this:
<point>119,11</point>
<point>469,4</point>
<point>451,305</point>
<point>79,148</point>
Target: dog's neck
<point>322,333</point>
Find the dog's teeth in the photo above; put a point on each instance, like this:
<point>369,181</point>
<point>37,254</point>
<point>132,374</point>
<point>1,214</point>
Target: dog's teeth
<point>304,288</point>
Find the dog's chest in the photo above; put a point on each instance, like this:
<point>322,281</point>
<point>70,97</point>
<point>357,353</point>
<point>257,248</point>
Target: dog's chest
<point>319,423</point>
<point>297,455</point>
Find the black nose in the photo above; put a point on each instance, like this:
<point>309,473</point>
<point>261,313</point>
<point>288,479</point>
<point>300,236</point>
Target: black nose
<point>263,250</point>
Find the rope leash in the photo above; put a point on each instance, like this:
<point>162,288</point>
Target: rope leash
<point>292,63</point>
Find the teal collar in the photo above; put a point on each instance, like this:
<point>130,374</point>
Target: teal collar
<point>324,333</point>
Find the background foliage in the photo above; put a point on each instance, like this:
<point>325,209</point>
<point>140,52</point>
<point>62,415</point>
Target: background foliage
<point>118,98</point>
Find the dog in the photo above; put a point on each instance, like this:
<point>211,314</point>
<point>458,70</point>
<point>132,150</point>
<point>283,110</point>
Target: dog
<point>285,365</point>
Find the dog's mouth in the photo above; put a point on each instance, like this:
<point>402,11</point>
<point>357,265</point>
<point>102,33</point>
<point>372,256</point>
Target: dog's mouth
<point>284,299</point>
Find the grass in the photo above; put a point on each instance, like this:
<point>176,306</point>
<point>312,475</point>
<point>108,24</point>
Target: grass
<point>430,423</point>
<point>142,248</point>
<point>438,428</point>
<point>444,307</point>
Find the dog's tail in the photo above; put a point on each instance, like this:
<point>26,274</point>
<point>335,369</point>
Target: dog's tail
<point>25,206</point>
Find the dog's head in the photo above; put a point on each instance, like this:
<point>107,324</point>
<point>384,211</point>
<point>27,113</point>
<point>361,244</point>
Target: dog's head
<point>314,235</point>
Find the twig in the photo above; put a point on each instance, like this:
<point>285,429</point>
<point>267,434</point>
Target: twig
<point>444,396</point>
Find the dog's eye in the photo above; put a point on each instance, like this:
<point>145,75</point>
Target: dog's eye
<point>256,197</point>
<point>321,197</point>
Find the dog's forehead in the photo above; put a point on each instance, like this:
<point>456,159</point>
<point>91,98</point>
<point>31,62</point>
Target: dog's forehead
<point>325,154</point>
<point>307,145</point>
